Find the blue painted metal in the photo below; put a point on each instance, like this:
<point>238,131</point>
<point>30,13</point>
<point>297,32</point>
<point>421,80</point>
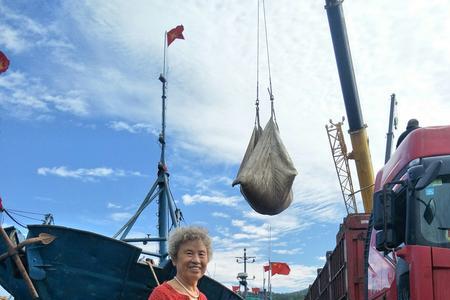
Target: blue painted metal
<point>162,178</point>
<point>84,265</point>
<point>10,277</point>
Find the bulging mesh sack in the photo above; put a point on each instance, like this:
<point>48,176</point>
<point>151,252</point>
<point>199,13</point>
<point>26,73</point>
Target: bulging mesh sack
<point>267,172</point>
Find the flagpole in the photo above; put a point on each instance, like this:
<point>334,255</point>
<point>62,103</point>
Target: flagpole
<point>164,61</point>
<point>269,284</point>
<point>163,79</point>
<point>264,284</point>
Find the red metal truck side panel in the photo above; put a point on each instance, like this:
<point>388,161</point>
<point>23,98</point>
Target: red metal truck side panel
<point>422,142</point>
<point>420,271</point>
<point>441,273</point>
<point>355,241</point>
<point>342,277</point>
<point>324,280</point>
<point>315,289</point>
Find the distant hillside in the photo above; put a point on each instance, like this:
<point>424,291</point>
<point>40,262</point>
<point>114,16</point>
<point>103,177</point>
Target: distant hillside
<point>300,295</point>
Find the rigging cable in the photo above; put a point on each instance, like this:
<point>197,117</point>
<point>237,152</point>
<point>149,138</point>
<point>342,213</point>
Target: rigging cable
<point>257,124</point>
<point>268,62</point>
<point>25,216</point>
<point>21,213</point>
<point>12,218</point>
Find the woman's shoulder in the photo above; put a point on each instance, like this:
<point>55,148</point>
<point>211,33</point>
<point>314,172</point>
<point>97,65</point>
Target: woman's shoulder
<point>163,291</point>
<point>166,292</point>
<point>202,296</point>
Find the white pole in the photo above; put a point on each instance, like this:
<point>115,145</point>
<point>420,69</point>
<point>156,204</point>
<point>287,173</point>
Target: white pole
<point>264,284</point>
<point>164,61</point>
<point>270,262</point>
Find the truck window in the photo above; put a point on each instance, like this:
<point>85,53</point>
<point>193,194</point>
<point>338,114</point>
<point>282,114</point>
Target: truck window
<point>434,209</point>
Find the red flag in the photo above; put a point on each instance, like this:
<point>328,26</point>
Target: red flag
<point>1,205</point>
<point>255,290</point>
<point>175,33</point>
<point>278,268</point>
<point>235,288</point>
<point>4,62</point>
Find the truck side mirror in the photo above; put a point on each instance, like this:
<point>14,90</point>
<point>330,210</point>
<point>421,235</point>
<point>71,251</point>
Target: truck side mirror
<point>378,211</point>
<point>387,207</point>
<point>431,172</point>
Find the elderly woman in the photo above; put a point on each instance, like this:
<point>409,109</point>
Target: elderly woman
<point>190,251</point>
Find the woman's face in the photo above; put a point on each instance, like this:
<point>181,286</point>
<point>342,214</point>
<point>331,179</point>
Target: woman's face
<point>191,261</point>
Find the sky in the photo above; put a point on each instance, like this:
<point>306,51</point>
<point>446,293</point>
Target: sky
<point>80,113</point>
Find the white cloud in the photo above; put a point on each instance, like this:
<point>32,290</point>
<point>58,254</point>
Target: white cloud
<point>299,278</point>
<point>133,128</point>
<point>21,33</point>
<point>223,267</point>
<point>288,251</point>
<point>218,200</point>
<point>220,215</point>
<point>86,174</point>
<point>10,39</point>
<point>206,184</point>
<point>26,96</point>
<point>120,216</point>
<point>251,231</point>
<point>113,205</point>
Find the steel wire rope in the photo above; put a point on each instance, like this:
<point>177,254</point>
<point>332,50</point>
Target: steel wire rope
<point>24,216</point>
<point>12,218</point>
<point>21,213</point>
<point>25,212</point>
<point>257,123</point>
<point>268,63</point>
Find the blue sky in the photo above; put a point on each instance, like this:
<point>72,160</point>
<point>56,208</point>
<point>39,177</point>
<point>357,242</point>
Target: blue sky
<point>80,112</point>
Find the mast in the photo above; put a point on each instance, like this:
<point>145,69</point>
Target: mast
<point>390,134</point>
<point>163,176</point>
<point>160,189</point>
<point>243,276</point>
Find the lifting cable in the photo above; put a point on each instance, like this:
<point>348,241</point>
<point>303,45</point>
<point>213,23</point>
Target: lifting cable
<point>269,89</point>
<point>257,124</point>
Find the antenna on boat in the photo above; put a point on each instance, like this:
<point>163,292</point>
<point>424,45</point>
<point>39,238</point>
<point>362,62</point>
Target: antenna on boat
<point>160,189</point>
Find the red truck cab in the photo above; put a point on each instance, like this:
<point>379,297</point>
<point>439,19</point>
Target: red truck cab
<point>409,249</point>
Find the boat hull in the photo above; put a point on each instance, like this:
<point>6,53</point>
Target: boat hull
<point>84,265</point>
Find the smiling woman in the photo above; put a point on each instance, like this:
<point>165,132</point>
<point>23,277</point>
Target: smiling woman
<point>190,250</point>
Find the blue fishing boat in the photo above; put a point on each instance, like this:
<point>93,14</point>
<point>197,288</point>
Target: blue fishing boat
<point>79,264</point>
<point>56,263</point>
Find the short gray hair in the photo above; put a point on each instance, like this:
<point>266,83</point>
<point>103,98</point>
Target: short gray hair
<point>191,233</point>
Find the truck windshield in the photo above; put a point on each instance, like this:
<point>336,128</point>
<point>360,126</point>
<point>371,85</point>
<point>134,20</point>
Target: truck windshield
<point>434,213</point>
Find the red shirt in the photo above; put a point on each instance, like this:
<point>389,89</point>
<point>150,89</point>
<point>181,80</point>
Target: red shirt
<point>166,292</point>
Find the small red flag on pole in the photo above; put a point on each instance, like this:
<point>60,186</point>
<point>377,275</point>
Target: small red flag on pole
<point>175,33</point>
<point>235,288</point>
<point>1,205</point>
<point>278,268</point>
<point>4,62</point>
